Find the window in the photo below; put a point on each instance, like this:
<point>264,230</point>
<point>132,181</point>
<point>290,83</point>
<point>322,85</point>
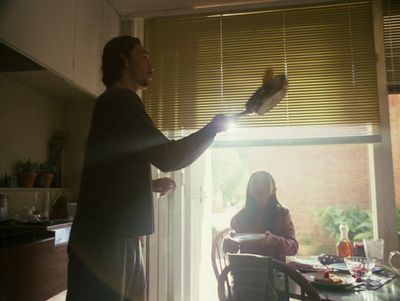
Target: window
<point>321,185</point>
<point>322,141</point>
<point>212,64</point>
<point>315,182</point>
<point>391,20</point>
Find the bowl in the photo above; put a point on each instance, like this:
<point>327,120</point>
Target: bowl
<point>359,267</point>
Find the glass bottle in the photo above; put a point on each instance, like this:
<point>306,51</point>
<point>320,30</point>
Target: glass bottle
<point>344,247</point>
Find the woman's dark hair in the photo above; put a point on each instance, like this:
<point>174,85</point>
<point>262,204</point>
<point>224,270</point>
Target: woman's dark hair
<point>112,63</point>
<point>273,205</point>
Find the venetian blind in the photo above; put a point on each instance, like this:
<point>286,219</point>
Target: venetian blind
<point>211,64</point>
<point>391,30</point>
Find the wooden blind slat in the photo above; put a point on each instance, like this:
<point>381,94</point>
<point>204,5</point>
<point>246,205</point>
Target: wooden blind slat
<point>206,66</point>
<point>391,31</point>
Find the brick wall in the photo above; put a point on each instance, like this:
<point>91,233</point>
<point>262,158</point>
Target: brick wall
<point>310,178</point>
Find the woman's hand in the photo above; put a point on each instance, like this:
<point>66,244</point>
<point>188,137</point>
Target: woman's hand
<point>269,240</point>
<point>163,185</point>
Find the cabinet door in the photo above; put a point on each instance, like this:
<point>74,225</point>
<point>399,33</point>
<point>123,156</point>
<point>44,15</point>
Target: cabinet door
<point>43,30</point>
<point>111,23</point>
<point>97,22</point>
<point>87,60</point>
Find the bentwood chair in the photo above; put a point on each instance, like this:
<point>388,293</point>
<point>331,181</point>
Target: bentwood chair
<point>256,276</point>
<point>218,257</point>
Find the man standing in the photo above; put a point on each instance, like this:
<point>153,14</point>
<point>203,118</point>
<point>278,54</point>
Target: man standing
<point>115,204</point>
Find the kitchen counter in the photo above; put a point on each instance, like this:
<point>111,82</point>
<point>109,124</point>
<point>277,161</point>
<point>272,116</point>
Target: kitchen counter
<point>33,259</point>
<point>13,233</point>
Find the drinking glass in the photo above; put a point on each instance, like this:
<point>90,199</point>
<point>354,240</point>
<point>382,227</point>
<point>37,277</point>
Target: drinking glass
<point>359,267</point>
<point>374,248</point>
<point>42,203</point>
<point>71,207</point>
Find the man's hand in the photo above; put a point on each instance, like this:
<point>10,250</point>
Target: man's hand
<point>221,122</point>
<point>163,185</point>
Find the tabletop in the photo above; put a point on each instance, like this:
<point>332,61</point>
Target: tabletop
<point>388,292</point>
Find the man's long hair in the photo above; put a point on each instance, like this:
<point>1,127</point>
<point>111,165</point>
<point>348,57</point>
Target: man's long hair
<point>112,63</point>
<point>273,205</point>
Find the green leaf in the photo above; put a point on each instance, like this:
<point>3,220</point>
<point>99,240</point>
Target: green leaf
<point>359,221</point>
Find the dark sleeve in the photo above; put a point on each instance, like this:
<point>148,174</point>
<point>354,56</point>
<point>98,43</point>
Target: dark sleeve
<point>286,242</point>
<point>141,135</point>
<point>168,155</point>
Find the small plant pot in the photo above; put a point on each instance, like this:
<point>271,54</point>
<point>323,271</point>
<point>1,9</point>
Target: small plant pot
<point>44,180</point>
<point>26,178</point>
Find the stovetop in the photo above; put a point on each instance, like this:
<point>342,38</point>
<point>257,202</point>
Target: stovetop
<point>13,233</point>
<point>12,236</point>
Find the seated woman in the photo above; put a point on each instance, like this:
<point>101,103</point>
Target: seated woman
<point>264,214</point>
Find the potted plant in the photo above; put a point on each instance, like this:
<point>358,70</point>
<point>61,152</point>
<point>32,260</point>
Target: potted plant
<point>46,175</point>
<point>27,172</point>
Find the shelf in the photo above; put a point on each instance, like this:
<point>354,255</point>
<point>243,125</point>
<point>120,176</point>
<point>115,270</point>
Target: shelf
<point>31,189</point>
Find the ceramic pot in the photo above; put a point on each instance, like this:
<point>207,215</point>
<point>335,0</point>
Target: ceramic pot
<point>44,180</point>
<point>26,178</point>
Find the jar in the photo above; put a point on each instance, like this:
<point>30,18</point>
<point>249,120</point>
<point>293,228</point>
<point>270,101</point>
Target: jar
<point>3,207</point>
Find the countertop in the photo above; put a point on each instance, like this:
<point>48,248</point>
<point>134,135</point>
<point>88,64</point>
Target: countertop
<point>14,233</point>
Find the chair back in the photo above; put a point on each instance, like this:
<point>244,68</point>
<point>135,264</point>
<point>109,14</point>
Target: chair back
<point>218,257</point>
<point>278,280</point>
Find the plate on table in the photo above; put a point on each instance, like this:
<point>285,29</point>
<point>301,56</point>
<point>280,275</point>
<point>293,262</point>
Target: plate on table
<point>241,237</point>
<point>344,281</point>
<point>341,267</point>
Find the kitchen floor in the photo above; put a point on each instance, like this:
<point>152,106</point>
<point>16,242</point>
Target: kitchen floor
<point>60,297</point>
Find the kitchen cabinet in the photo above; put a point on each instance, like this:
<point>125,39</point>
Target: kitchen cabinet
<point>111,23</point>
<point>66,37</point>
<point>33,264</point>
<point>96,23</point>
<point>35,272</point>
<point>41,30</point>
<point>88,45</point>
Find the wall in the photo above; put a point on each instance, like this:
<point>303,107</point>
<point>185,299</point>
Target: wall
<point>394,107</point>
<point>28,120</point>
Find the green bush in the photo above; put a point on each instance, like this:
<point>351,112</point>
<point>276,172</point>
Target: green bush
<point>359,222</point>
<point>230,169</point>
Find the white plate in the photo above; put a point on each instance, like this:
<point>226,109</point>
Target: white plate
<point>346,281</point>
<point>247,237</point>
<point>340,266</point>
